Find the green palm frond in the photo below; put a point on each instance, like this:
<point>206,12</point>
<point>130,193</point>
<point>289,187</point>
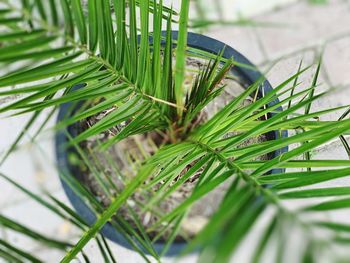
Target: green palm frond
<point>106,48</point>
<point>254,193</point>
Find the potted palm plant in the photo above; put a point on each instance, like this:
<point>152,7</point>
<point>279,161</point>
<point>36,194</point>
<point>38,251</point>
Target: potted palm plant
<point>167,141</point>
<point>247,76</point>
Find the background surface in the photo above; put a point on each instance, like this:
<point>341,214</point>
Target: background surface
<point>284,32</point>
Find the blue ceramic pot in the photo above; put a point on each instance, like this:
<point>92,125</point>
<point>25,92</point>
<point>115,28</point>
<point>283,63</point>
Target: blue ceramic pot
<point>246,75</point>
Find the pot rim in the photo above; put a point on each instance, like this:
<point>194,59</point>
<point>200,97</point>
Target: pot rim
<point>198,41</point>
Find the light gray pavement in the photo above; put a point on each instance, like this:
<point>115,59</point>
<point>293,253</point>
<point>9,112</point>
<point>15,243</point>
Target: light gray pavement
<point>299,31</point>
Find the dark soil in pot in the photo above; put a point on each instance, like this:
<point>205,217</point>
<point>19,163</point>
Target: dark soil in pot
<point>119,164</point>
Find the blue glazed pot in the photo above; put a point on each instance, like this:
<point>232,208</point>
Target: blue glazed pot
<point>246,76</point>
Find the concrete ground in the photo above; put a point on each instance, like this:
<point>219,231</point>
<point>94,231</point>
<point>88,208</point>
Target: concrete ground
<point>291,33</point>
